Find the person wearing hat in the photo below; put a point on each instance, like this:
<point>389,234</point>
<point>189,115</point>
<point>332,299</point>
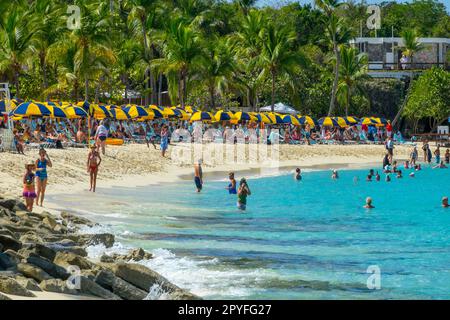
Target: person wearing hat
<point>243,192</point>
<point>29,192</point>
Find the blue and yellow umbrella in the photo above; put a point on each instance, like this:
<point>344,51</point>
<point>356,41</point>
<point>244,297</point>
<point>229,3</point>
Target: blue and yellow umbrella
<point>307,120</point>
<point>202,116</point>
<point>119,114</point>
<point>99,112</point>
<point>244,116</point>
<point>74,112</point>
<point>84,104</point>
<point>223,115</point>
<point>275,118</point>
<point>57,112</point>
<point>290,119</point>
<point>342,122</point>
<point>137,112</point>
<point>328,122</point>
<point>351,120</point>
<point>368,121</point>
<point>158,113</point>
<point>31,109</point>
<point>190,109</point>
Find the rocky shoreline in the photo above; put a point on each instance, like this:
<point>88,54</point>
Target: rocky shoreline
<point>40,252</point>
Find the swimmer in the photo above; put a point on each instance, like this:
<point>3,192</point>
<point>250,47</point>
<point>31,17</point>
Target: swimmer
<point>369,177</point>
<point>232,186</point>
<point>445,202</point>
<point>412,174</point>
<point>387,169</point>
<point>447,156</point>
<point>371,172</point>
<point>198,173</point>
<point>394,167</point>
<point>368,204</point>
<point>298,174</point>
<point>243,192</point>
<point>334,175</point>
<point>399,174</point>
<point>388,178</point>
<point>377,177</point>
<point>406,164</point>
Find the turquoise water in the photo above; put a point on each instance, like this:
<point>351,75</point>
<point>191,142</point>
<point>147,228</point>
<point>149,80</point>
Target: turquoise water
<point>298,240</point>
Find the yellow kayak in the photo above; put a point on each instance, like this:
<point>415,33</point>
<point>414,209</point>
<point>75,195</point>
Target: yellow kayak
<point>114,142</point>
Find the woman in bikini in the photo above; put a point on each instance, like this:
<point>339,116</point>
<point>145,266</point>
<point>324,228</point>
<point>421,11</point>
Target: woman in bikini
<point>28,186</point>
<point>41,172</point>
<point>93,162</point>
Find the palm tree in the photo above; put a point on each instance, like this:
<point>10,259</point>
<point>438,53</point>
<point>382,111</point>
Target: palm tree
<point>218,66</point>
<point>353,69</point>
<point>278,57</point>
<point>16,37</point>
<point>128,56</point>
<point>181,54</point>
<point>411,44</point>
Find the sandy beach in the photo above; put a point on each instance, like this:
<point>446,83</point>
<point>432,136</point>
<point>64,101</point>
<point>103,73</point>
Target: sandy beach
<point>136,165</point>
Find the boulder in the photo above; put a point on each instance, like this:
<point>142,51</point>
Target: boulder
<point>58,286</point>
<point>60,228</point>
<point>65,259</point>
<point>77,220</point>
<point>38,249</point>
<point>144,278</point>
<point>10,243</point>
<point>106,259</point>
<point>49,222</point>
<point>90,287</point>
<point>6,262</point>
<point>31,271</point>
<point>11,286</point>
<point>13,204</point>
<point>119,287</point>
<point>106,239</point>
<point>16,257</point>
<point>28,284</point>
<point>48,266</point>
<point>31,237</point>
<point>3,297</point>
<point>138,255</point>
<point>1,247</point>
<point>80,251</point>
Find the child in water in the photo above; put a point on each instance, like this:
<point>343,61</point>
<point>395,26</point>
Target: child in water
<point>232,186</point>
<point>388,178</point>
<point>368,204</point>
<point>29,192</point>
<point>298,174</point>
<point>334,175</point>
<point>243,192</point>
<point>377,177</point>
<point>399,174</point>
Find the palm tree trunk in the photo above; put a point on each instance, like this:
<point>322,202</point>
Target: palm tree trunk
<point>212,99</point>
<point>180,90</point>
<point>147,72</point>
<point>348,101</point>
<point>336,78</point>
<point>273,91</point>
<point>159,89</point>
<point>86,89</point>
<point>44,72</point>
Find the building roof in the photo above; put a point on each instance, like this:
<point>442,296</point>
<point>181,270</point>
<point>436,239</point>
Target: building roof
<point>381,40</point>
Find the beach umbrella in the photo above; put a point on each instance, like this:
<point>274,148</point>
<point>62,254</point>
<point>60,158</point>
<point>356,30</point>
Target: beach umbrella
<point>244,116</point>
<point>181,114</point>
<point>275,118</point>
<point>380,121</point>
<point>190,109</point>
<point>261,117</point>
<point>57,111</point>
<point>74,112</point>
<point>341,122</point>
<point>31,109</point>
<point>119,114</point>
<point>138,112</point>
<point>202,116</point>
<point>111,106</point>
<point>84,104</point>
<point>351,120</point>
<point>290,119</point>
<point>158,113</point>
<point>368,121</point>
<point>328,122</point>
<point>222,115</point>
<point>99,112</point>
<point>306,120</point>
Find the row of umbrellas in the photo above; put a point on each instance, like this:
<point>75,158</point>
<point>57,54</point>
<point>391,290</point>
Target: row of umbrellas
<point>142,113</point>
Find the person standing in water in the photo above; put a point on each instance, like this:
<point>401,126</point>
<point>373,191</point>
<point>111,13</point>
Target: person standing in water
<point>298,174</point>
<point>41,172</point>
<point>437,154</point>
<point>243,192</point>
<point>447,156</point>
<point>93,162</point>
<point>368,204</point>
<point>198,175</point>
<point>413,157</point>
<point>232,186</point>
<point>334,175</point>
<point>28,186</point>
<point>445,202</point>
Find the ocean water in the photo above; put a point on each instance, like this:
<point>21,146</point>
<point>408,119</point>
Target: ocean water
<point>308,239</point>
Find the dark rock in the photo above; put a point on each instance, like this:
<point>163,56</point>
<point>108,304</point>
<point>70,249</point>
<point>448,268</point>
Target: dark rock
<point>65,259</point>
<point>90,287</point>
<point>38,249</point>
<point>14,256</point>
<point>48,266</point>
<point>11,286</point>
<point>28,284</point>
<point>106,239</point>
<point>77,220</point>
<point>119,287</point>
<point>1,247</point>
<point>49,222</point>
<point>31,237</point>
<point>107,259</point>
<point>144,278</point>
<point>6,262</point>
<point>80,251</point>
<point>31,271</point>
<point>3,297</point>
<point>57,285</point>
<point>10,243</point>
<point>13,204</point>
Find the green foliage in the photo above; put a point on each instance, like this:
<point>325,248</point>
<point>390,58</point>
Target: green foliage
<point>429,97</point>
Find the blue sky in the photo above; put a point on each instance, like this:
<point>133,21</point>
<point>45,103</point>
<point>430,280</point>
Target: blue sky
<point>446,2</point>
